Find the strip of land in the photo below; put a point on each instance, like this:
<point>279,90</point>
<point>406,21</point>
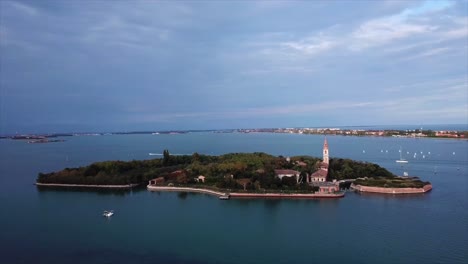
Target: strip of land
<point>386,190</point>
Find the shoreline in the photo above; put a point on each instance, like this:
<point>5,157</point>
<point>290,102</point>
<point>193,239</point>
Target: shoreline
<point>247,195</point>
<point>183,189</point>
<point>383,190</point>
<point>126,186</point>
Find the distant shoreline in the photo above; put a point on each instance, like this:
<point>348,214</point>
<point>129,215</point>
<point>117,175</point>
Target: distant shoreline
<point>125,186</point>
<point>459,132</point>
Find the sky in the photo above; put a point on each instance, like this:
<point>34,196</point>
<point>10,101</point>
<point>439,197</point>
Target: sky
<point>81,66</point>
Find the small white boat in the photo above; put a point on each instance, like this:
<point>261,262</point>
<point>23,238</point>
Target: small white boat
<point>108,213</point>
<point>401,160</point>
<point>224,197</point>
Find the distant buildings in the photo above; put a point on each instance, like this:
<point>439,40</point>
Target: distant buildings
<point>360,132</point>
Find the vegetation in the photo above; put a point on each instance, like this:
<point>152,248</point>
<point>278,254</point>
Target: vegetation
<point>394,182</point>
<point>252,172</point>
<point>340,169</point>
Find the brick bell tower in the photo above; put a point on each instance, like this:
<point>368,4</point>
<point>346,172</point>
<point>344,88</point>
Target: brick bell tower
<point>325,151</point>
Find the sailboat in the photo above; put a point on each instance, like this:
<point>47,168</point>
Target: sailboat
<point>108,213</point>
<point>401,160</point>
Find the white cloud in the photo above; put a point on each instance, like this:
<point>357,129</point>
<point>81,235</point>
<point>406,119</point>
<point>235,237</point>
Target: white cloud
<point>419,22</point>
<point>23,8</point>
<point>385,30</point>
<point>410,23</point>
<point>116,30</point>
<point>310,47</point>
<point>279,70</point>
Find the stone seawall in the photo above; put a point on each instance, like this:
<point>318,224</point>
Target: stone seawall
<point>287,195</point>
<point>248,195</point>
<point>183,189</point>
<point>372,189</point>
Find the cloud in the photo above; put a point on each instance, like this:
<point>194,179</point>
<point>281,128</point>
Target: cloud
<point>254,112</point>
<point>23,8</point>
<point>411,23</point>
<point>120,31</point>
<point>460,29</point>
<point>184,63</point>
<point>447,97</point>
<point>383,31</point>
<point>280,70</point>
<point>310,46</point>
<point>426,7</point>
<point>444,96</point>
<point>428,53</point>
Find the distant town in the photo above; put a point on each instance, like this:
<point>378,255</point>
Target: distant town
<point>363,132</point>
<point>414,133</point>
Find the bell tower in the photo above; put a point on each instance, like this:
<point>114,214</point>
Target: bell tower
<point>325,151</point>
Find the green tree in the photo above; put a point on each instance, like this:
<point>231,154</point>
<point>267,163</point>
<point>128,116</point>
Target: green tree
<point>166,157</point>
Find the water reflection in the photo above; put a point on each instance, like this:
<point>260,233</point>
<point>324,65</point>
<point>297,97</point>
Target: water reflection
<point>182,195</point>
<point>386,196</point>
<point>102,191</point>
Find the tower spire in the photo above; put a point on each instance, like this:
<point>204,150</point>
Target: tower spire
<point>325,151</point>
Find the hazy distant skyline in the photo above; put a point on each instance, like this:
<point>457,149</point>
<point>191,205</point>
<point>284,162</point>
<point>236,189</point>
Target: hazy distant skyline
<point>161,65</point>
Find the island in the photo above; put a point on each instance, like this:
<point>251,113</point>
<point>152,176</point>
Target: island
<point>240,175</point>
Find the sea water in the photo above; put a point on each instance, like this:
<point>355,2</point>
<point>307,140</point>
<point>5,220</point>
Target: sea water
<point>66,226</point>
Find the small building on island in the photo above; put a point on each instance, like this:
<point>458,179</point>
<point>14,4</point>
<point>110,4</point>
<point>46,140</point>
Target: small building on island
<point>287,173</point>
<point>319,176</point>
<point>157,181</point>
<point>200,178</point>
<point>328,187</point>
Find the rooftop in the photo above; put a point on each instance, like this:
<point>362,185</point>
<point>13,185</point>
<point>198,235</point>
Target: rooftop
<point>286,172</point>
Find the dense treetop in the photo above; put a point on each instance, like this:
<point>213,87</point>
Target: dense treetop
<point>248,171</point>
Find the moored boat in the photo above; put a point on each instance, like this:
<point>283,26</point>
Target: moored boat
<point>224,197</point>
<point>108,213</point>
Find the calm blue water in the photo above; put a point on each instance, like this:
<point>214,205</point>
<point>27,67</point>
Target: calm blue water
<point>67,226</point>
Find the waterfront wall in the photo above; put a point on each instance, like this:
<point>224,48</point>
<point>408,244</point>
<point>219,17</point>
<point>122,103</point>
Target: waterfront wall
<point>247,195</point>
<point>287,195</point>
<point>372,189</point>
<point>183,189</point>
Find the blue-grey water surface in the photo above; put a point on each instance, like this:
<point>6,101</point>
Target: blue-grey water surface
<point>66,226</point>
